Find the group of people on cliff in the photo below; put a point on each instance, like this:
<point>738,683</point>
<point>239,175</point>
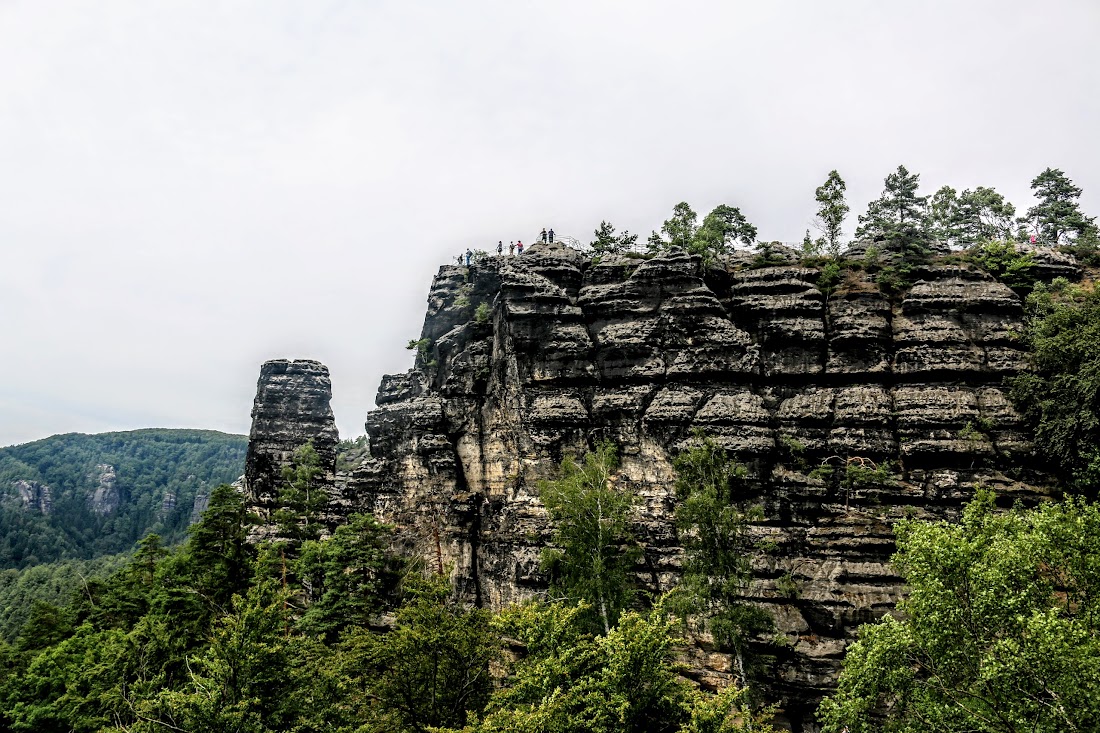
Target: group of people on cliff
<point>514,248</point>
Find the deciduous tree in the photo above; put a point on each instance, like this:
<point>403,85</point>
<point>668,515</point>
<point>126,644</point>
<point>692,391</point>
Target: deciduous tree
<point>717,550</point>
<point>594,547</point>
<point>1000,631</point>
<point>832,208</point>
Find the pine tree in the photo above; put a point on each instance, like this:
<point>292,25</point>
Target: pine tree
<point>1057,218</point>
<point>899,216</point>
<point>831,211</point>
<point>302,500</point>
<point>717,551</point>
<point>606,240</point>
<point>349,576</point>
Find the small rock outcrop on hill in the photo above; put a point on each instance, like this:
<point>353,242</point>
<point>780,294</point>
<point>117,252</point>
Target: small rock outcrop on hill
<point>34,496</point>
<point>532,357</point>
<point>107,496</point>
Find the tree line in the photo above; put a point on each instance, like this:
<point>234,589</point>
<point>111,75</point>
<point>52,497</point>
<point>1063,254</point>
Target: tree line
<point>900,218</point>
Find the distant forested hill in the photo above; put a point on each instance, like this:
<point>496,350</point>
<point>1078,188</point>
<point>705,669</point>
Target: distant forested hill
<point>79,496</point>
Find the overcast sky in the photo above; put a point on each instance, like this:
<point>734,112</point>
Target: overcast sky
<point>190,188</point>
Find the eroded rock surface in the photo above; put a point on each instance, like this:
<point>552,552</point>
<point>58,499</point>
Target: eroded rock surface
<point>34,496</point>
<point>644,353</point>
<point>290,410</point>
<point>107,495</point>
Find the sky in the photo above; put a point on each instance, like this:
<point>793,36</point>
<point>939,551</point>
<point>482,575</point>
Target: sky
<point>189,188</point>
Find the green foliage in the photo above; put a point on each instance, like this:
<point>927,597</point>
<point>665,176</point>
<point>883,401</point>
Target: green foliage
<point>999,631</point>
<point>621,682</point>
<point>1060,395</point>
<point>862,472</point>
<point>829,277</point>
<point>717,549</point>
<point>349,576</point>
<point>594,549</point>
<point>899,216</point>
<point>812,247</point>
<point>832,208</point>
<point>150,465</point>
<point>1057,218</point>
<point>970,217</point>
<point>768,255</point>
<point>302,500</point>
<point>983,214</point>
<point>895,279</point>
<point>53,584</point>
<point>608,242</point>
<point>431,669</point>
<point>423,348</point>
<point>787,586</point>
<point>351,452</point>
<point>248,679</point>
<point>1086,248</point>
<point>482,313</point>
<point>971,432</point>
<point>1003,261</point>
<point>678,231</point>
<point>793,449</point>
<point>722,228</point>
<point>943,215</point>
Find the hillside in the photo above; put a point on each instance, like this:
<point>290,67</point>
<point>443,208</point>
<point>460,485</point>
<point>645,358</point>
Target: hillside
<point>78,496</point>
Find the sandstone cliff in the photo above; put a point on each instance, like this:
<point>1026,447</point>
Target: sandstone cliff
<point>532,357</point>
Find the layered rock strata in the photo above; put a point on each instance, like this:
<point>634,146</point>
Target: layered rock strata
<point>534,357</point>
<point>291,409</point>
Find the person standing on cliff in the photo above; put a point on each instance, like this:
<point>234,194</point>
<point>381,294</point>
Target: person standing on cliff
<point>551,235</point>
<point>519,246</point>
<point>511,248</point>
<point>469,256</point>
<point>543,235</point>
<point>500,247</point>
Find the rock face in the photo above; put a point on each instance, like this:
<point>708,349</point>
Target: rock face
<point>107,495</point>
<point>537,356</point>
<point>291,409</point>
<point>35,496</point>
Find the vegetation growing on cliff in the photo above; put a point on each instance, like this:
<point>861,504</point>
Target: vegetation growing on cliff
<point>594,549</point>
<point>1000,631</point>
<point>1061,393</point>
<point>717,550</point>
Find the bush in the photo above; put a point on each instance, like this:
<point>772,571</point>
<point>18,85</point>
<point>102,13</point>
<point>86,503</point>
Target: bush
<point>482,313</point>
<point>1004,262</point>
